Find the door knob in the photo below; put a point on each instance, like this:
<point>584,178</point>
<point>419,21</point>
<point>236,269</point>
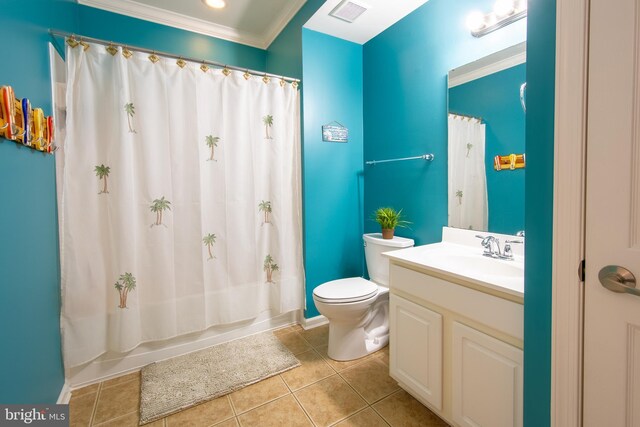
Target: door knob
<point>618,279</point>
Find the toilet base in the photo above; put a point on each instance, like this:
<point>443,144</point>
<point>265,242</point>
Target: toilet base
<point>349,343</point>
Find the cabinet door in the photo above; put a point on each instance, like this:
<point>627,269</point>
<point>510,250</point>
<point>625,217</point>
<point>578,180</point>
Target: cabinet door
<point>416,349</point>
<point>486,380</point>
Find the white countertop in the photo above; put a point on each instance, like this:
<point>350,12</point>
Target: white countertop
<point>459,257</point>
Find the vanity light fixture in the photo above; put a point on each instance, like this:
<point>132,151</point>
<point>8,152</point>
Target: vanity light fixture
<point>215,4</point>
<point>504,13</point>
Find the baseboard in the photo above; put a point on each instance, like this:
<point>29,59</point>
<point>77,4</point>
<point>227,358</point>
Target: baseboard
<point>113,365</point>
<point>313,322</point>
<point>65,394</point>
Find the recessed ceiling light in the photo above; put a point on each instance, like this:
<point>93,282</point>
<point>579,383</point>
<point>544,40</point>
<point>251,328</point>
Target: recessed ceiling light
<point>215,4</point>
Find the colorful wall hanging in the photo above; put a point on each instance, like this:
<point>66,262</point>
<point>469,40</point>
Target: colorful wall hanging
<point>509,162</point>
<point>21,123</point>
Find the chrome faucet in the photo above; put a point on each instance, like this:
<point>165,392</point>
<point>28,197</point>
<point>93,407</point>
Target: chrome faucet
<point>491,245</point>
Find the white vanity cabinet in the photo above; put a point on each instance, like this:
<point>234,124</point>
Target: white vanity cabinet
<point>416,352</point>
<point>456,348</point>
<point>486,380</point>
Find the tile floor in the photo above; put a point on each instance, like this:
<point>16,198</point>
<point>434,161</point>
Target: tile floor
<point>321,392</point>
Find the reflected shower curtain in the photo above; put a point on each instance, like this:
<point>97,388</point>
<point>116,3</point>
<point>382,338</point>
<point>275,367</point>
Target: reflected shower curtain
<point>468,205</point>
<point>181,205</point>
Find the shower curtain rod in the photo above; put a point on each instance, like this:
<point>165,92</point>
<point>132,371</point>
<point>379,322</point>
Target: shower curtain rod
<point>54,33</point>
<point>464,116</point>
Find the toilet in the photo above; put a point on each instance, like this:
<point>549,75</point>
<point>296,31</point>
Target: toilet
<point>358,309</point>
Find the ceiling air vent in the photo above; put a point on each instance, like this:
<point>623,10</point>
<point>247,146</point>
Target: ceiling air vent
<point>348,10</point>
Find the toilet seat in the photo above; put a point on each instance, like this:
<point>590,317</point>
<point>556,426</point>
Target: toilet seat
<point>343,291</point>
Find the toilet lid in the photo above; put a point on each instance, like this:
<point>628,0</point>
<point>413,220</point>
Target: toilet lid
<point>353,289</point>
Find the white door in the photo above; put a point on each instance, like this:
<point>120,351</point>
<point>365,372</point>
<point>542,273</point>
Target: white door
<point>612,320</point>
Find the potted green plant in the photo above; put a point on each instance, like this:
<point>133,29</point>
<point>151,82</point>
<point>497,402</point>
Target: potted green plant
<point>389,219</point>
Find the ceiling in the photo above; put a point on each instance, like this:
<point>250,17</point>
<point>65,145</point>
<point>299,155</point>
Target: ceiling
<point>380,15</point>
<point>251,22</point>
<point>258,22</point>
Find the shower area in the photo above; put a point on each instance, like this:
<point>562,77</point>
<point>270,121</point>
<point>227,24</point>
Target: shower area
<point>179,204</point>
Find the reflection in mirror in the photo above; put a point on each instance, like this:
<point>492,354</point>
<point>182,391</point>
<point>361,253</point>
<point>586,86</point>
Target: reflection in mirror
<point>486,119</point>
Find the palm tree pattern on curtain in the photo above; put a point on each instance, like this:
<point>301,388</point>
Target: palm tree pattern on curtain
<point>268,123</point>
<point>459,196</point>
<point>208,241</point>
<point>269,266</point>
<point>265,206</point>
<point>158,206</point>
<point>102,172</point>
<point>212,143</point>
<point>124,285</point>
<point>249,129</point>
<point>131,111</point>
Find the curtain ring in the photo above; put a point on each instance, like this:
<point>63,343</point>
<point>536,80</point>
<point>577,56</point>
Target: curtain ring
<point>126,52</point>
<point>111,49</point>
<point>71,41</point>
<point>85,45</point>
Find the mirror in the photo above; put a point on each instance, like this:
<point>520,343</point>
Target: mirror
<point>487,119</point>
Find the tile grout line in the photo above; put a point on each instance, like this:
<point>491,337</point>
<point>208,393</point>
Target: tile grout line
<point>267,402</point>
<point>95,404</point>
<point>303,409</point>
<point>359,394</point>
<point>100,389</point>
<point>369,405</point>
<point>379,414</point>
<point>117,418</point>
<point>233,407</point>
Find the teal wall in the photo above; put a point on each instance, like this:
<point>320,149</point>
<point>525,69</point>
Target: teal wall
<point>404,114</point>
<point>405,108</point>
<point>496,98</point>
<point>105,25</point>
<point>539,212</point>
<point>31,359</point>
<point>333,193</point>
<point>331,89</point>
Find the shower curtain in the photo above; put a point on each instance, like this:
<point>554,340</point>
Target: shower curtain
<point>181,204</point>
<point>468,205</point>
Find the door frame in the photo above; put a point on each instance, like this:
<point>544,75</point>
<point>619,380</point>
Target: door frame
<point>572,35</point>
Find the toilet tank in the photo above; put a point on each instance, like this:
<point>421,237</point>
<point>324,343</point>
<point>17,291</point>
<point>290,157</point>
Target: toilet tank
<point>378,265</point>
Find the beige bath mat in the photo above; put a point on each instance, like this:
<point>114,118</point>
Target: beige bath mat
<point>185,381</point>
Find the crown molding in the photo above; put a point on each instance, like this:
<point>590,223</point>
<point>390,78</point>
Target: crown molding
<point>491,64</point>
<point>275,30</point>
<point>196,25</point>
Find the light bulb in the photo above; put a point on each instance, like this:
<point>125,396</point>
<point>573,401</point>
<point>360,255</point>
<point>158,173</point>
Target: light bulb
<point>475,21</point>
<point>491,19</point>
<point>503,8</point>
<point>520,5</point>
<point>215,4</point>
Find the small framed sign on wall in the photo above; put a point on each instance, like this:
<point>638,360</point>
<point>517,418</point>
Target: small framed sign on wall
<point>335,132</point>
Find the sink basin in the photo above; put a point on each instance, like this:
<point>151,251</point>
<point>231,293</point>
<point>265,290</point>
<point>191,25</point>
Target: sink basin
<point>486,265</point>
